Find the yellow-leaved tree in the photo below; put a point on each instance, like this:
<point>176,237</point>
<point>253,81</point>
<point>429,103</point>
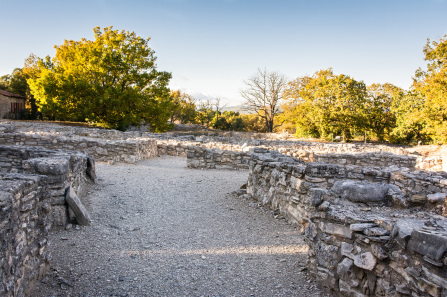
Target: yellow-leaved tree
<point>431,85</point>
<point>111,80</point>
<point>325,104</point>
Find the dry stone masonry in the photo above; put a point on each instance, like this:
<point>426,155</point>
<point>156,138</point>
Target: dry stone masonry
<point>23,232</point>
<point>33,186</point>
<point>374,225</point>
<point>198,157</point>
<point>371,231</point>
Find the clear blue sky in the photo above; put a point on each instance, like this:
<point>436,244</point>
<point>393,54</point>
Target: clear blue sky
<point>211,46</point>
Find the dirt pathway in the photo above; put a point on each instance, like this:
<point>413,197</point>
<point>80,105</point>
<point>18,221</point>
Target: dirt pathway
<point>161,229</point>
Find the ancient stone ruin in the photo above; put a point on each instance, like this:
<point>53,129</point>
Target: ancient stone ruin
<point>374,222</point>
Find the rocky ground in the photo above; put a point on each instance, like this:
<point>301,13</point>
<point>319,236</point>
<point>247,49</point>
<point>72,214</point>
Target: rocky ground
<point>160,229</point>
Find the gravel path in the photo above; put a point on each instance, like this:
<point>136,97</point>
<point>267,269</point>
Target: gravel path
<point>161,229</point>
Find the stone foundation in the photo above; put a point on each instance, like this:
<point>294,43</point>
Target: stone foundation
<point>62,169</point>
<point>371,231</point>
<point>198,157</point>
<point>33,184</point>
<point>24,229</point>
<point>129,150</point>
<point>116,146</point>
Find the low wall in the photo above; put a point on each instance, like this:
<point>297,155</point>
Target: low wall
<point>116,146</point>
<point>23,233</point>
<point>62,169</point>
<point>129,150</point>
<point>377,159</point>
<point>198,157</point>
<point>371,231</point>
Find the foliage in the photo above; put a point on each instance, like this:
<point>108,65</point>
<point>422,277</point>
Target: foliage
<point>325,104</point>
<point>111,81</point>
<point>431,85</point>
<point>16,83</point>
<point>410,120</point>
<point>183,109</point>
<point>228,120</point>
<point>379,115</point>
<point>205,113</point>
<point>253,123</point>
<point>263,95</point>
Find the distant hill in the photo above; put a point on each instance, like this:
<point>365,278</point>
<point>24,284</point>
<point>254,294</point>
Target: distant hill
<point>240,109</point>
<point>237,108</point>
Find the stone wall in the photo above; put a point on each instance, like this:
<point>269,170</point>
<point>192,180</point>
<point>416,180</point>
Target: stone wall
<point>198,157</point>
<point>377,159</point>
<point>129,150</point>
<point>23,232</point>
<point>371,231</point>
<point>33,185</point>
<point>116,146</point>
<point>62,169</point>
<point>171,148</point>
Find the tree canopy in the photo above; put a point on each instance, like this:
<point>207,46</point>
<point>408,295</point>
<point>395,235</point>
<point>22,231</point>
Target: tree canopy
<point>325,103</point>
<point>111,80</point>
<point>431,85</point>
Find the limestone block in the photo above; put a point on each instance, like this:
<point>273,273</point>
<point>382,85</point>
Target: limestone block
<point>360,191</point>
<point>48,166</point>
<point>324,170</point>
<point>346,290</point>
<point>378,251</point>
<point>348,250</point>
<point>130,159</point>
<point>82,216</point>
<point>428,243</point>
<point>436,198</point>
<point>311,231</point>
<point>375,231</point>
<point>361,226</point>
<point>418,198</point>
<point>326,277</point>
<point>324,206</point>
<point>345,270</point>
<point>365,261</point>
<point>317,196</point>
<point>434,277</point>
<point>335,229</point>
<point>405,228</point>
<point>327,255</point>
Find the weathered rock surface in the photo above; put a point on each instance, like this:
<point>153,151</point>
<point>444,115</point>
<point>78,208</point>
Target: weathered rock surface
<point>81,214</point>
<point>360,191</point>
<point>377,250</point>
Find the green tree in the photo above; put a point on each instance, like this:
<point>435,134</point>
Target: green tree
<point>327,104</point>
<point>253,123</point>
<point>183,109</point>
<point>380,118</point>
<point>432,86</point>
<point>16,83</point>
<point>411,121</point>
<point>220,123</point>
<point>299,111</point>
<point>111,80</point>
<point>205,112</point>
